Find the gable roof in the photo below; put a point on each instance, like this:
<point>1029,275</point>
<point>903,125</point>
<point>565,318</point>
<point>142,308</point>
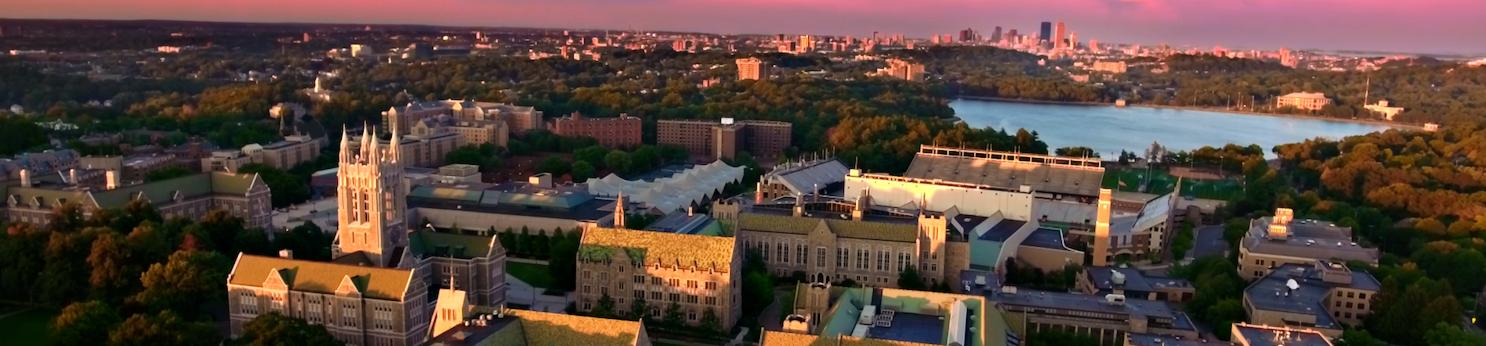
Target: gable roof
<point>321,277</point>
<point>544,328</point>
<point>889,231</point>
<point>164,191</point>
<point>652,248</point>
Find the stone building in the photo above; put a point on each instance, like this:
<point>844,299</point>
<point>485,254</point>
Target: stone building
<point>517,119</point>
<point>191,197</point>
<point>358,305</point>
<point>1302,100</point>
<point>375,290</point>
<point>699,273</point>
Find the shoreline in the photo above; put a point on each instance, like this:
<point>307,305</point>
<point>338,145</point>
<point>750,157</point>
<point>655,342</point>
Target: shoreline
<point>1388,124</point>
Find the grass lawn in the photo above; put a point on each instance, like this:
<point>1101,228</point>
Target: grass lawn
<point>31,327</point>
<point>1162,183</point>
<point>533,274</point>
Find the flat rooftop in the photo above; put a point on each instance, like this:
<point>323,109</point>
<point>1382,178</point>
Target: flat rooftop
<point>1095,304</point>
<point>1271,292</point>
<point>1307,239</point>
<point>1010,171</point>
<point>1046,238</point>
<point>1259,335</point>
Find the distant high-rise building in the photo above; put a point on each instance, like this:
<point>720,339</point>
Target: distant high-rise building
<point>1073,41</point>
<point>996,34</point>
<point>1012,36</point>
<point>752,69</point>
<point>968,35</point>
<point>1060,32</point>
<point>1046,33</point>
<point>1093,45</point>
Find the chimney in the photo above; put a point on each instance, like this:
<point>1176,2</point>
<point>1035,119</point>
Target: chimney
<point>286,253</point>
<point>72,176</point>
<point>690,212</point>
<point>25,177</point>
<point>111,179</point>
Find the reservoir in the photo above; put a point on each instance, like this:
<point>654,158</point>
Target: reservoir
<point>1108,129</point>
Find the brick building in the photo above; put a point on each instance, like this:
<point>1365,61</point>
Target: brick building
<point>726,138</point>
<point>623,131</point>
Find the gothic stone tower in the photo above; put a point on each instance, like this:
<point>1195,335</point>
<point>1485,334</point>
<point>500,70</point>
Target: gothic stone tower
<point>371,202</point>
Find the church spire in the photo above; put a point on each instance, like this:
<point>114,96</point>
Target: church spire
<point>374,148</point>
<point>365,136</point>
<point>619,211</point>
<point>396,141</point>
<point>345,145</point>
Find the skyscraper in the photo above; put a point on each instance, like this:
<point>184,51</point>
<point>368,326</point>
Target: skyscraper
<point>1061,34</point>
<point>996,34</point>
<point>1046,34</point>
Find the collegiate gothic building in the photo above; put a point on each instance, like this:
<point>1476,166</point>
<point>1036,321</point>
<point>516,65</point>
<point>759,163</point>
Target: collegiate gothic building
<point>376,289</point>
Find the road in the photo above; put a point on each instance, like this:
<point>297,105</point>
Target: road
<point>321,211</point>
<point>1208,241</point>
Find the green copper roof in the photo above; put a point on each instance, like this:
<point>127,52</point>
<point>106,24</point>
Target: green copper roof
<point>459,246</point>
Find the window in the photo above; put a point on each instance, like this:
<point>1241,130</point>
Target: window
<point>585,289</point>
<point>691,298</point>
<point>800,253</point>
<point>639,294</point>
<point>655,281</point>
<point>676,297</point>
<point>674,282</point>
<point>639,279</point>
<point>691,284</point>
<point>655,296</point>
<point>841,257</point>
<point>711,300</point>
<point>691,315</point>
<point>820,257</point>
<point>783,252</point>
<point>711,285</point>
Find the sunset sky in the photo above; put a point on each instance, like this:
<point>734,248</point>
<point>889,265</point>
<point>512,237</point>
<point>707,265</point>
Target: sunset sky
<point>1423,26</point>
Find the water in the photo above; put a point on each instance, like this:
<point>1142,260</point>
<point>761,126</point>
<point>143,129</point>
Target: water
<point>1108,129</point>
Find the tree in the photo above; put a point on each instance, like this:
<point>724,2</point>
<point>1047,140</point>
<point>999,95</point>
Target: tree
<point>617,162</point>
<point>112,273</point>
<point>1445,334</point>
<point>162,328</point>
<point>1077,152</point>
<point>84,323</point>
<point>185,283</point>
<point>287,189</point>
<point>555,165</point>
<point>582,170</point>
<point>639,309</point>
<point>710,321</point>
<point>909,279</point>
<point>673,317</point>
<point>605,307</point>
<point>307,241</point>
<point>276,329</point>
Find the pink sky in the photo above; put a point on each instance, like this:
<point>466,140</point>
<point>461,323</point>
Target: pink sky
<point>1436,26</point>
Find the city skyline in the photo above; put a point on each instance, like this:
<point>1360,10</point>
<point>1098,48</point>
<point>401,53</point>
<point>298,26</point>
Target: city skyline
<point>1250,24</point>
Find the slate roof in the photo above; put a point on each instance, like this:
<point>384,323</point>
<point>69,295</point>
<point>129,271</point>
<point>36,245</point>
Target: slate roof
<point>666,249</point>
<point>461,246</point>
<point>889,231</point>
<point>322,277</point>
<point>191,186</point>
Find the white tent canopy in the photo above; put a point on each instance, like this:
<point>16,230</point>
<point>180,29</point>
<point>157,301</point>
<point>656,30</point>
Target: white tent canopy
<point>676,192</point>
